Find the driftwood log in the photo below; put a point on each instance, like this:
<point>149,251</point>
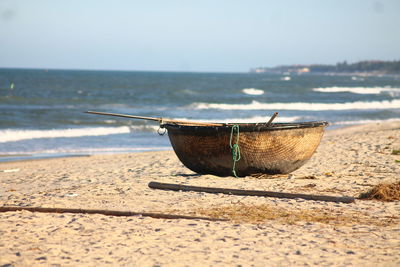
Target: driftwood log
<point>178,187</point>
<point>107,212</point>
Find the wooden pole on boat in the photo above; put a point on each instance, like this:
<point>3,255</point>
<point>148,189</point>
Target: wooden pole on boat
<point>259,193</point>
<point>124,116</point>
<point>160,120</point>
<point>272,118</point>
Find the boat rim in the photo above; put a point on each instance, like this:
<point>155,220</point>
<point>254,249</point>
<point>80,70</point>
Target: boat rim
<point>246,127</point>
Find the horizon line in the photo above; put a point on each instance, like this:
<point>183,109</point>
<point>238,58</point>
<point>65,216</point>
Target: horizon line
<point>119,70</point>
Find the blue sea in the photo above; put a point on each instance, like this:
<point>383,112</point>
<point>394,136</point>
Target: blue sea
<point>42,111</point>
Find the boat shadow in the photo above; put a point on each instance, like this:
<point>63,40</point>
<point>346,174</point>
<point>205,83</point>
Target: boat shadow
<point>188,175</point>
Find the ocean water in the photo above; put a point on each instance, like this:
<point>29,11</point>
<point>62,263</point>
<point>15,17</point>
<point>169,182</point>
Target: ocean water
<point>42,111</point>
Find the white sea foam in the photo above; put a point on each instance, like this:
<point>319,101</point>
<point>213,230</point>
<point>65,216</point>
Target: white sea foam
<point>253,91</point>
<point>75,151</point>
<point>364,121</point>
<point>255,105</point>
<point>11,135</point>
<point>256,119</point>
<point>360,90</point>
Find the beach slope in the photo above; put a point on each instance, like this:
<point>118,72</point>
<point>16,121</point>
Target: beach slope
<point>299,232</point>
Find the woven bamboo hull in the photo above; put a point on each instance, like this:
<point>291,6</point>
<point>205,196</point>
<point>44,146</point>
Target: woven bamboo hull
<point>277,149</point>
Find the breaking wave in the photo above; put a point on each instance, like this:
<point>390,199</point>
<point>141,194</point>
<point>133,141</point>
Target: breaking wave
<point>253,91</point>
<point>255,105</point>
<point>360,90</point>
<point>12,135</point>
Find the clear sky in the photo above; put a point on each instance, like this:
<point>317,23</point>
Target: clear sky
<point>195,35</point>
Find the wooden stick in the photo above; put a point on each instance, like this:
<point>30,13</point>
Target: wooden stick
<point>108,212</point>
<point>178,187</point>
<point>160,120</point>
<point>272,118</point>
<point>124,116</point>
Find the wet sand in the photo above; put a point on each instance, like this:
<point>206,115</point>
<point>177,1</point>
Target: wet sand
<point>348,162</point>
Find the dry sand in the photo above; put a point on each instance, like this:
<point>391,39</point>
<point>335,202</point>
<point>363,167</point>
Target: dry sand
<point>348,162</point>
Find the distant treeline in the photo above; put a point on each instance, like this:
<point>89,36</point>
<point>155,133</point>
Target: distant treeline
<point>368,66</point>
<point>362,66</point>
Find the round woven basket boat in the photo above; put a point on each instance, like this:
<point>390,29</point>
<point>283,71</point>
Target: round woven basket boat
<point>277,148</point>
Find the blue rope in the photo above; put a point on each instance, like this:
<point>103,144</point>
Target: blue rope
<point>235,148</point>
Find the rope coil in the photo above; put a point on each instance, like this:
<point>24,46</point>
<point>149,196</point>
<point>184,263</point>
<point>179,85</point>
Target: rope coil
<point>235,148</point>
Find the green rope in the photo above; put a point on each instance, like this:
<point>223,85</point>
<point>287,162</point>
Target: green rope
<point>235,148</point>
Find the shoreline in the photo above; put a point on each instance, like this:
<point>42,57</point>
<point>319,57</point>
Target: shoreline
<point>40,156</point>
<point>349,161</point>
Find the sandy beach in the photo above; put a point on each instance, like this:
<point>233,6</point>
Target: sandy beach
<point>348,162</point>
